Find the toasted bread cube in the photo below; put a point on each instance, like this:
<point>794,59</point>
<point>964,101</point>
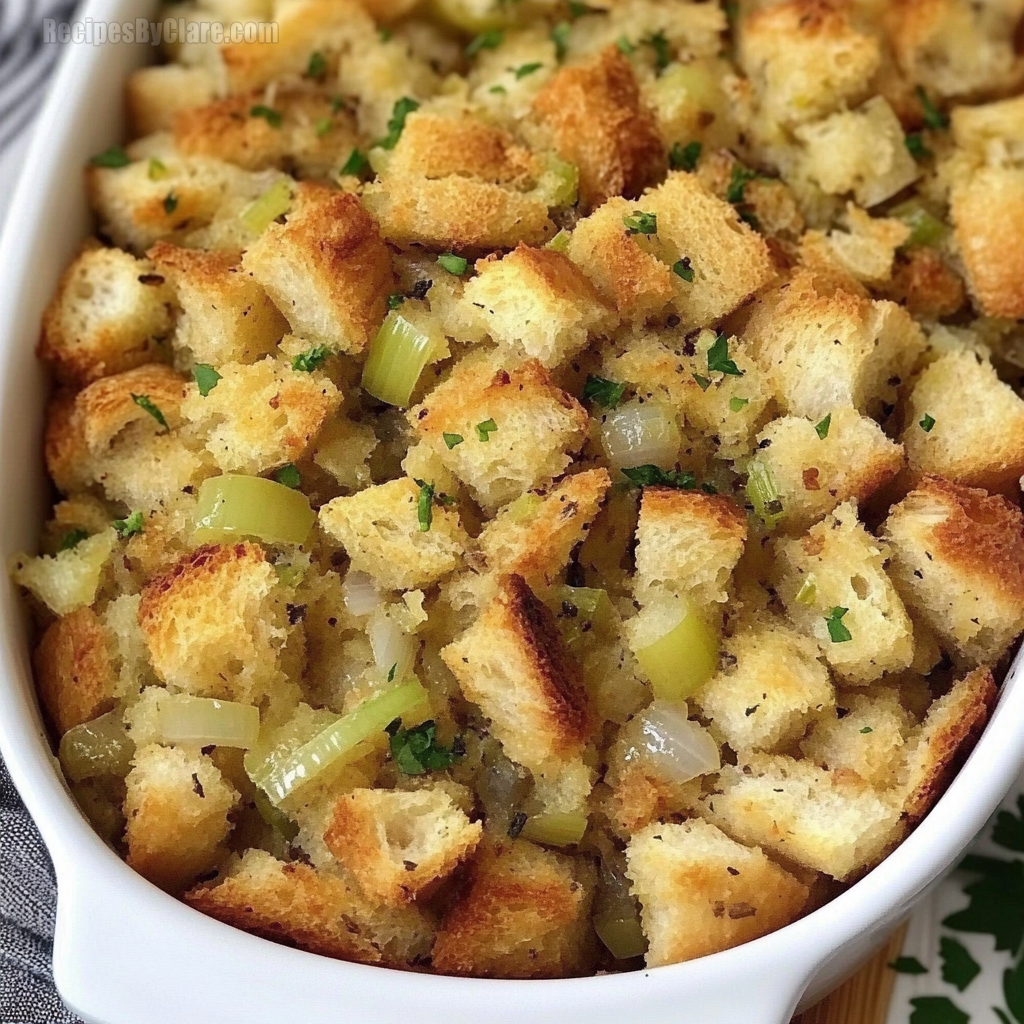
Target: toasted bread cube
<point>327,269</point>
<point>700,892</point>
<point>864,734</point>
<point>937,749</point>
<point>975,128</point>
<point>537,426</point>
<point>958,561</point>
<point>537,302</point>
<point>806,59</point>
<point>535,541</point>
<point>815,474</point>
<point>773,687</point>
<point>156,94</point>
<point>838,565</point>
<point>599,122</point>
<point>524,915</point>
<point>977,437</point>
<point>70,579</point>
<point>925,283</point>
<point>215,624</point>
<point>859,151</point>
<point>396,844</point>
<point>866,251</point>
<point>130,658</point>
<point>313,910</point>
<point>987,212</point>
<point>73,670</point>
<point>830,821</point>
<point>110,313</point>
<point>177,808</point>
<point>512,662</point>
<point>225,315</point>
<point>455,213</point>
<point>381,530</point>
<point>825,347</point>
<point>688,542</point>
<point>261,415</point>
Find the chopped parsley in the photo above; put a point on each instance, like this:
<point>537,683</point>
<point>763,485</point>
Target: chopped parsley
<point>126,528</point>
<point>206,378</point>
<point>485,429</point>
<point>560,37</point>
<point>702,382</point>
<point>624,45</point>
<point>401,110</point>
<point>736,193</point>
<point>866,730</point>
<point>718,358</point>
<point>684,158</point>
<point>837,632</point>
<point>662,53</point>
<point>453,264</point>
<point>311,359</point>
<point>317,66</point>
<point>927,423</point>
<point>157,169</point>
<point>488,40</point>
<point>526,69</point>
<point>640,223</point>
<point>147,403</point>
<point>738,404</point>
<point>356,165</point>
<point>654,476</point>
<point>933,117</point>
<point>395,299</point>
<point>425,506</point>
<point>170,202</point>
<point>417,751</point>
<point>577,9</point>
<point>269,114</point>
<point>915,146</point>
<point>289,476</point>
<point>72,539</point>
<point>323,126</point>
<point>498,90</point>
<point>908,965</point>
<point>451,440</point>
<point>112,158</point>
<point>607,393</point>
<point>681,268</point>
<point>821,429</point>
<point>392,671</point>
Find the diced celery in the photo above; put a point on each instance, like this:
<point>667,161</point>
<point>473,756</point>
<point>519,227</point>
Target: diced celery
<point>204,722</point>
<point>925,227</point>
<point>560,243</point>
<point>233,506</point>
<point>99,747</point>
<point>280,777</point>
<point>763,494</point>
<point>397,357</point>
<point>558,184</point>
<point>622,935</point>
<point>555,829</point>
<point>275,817</point>
<point>580,611</point>
<point>266,208</point>
<point>683,660</point>
<point>808,591</point>
<point>524,508</point>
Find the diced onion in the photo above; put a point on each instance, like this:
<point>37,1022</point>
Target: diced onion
<point>682,659</point>
<point>640,434</point>
<point>99,747</point>
<point>678,749</point>
<point>623,936</point>
<point>557,828</point>
<point>360,593</point>
<point>763,494</point>
<point>280,777</point>
<point>398,354</point>
<point>394,650</point>
<point>266,208</point>
<point>233,506</point>
<point>207,722</point>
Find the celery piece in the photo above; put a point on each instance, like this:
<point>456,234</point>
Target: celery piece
<point>556,828</point>
<point>925,227</point>
<point>683,660</point>
<point>623,936</point>
<point>524,508</point>
<point>275,817</point>
<point>266,208</point>
<point>763,494</point>
<point>281,777</point>
<point>560,243</point>
<point>398,355</point>
<point>204,722</point>
<point>233,506</point>
<point>558,184</point>
<point>808,592</point>
<point>99,747</point>
<point>580,612</point>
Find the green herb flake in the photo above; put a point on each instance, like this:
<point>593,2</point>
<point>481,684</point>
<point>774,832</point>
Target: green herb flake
<point>560,37</point>
<point>317,66</point>
<point>356,165</point>
<point>936,1010</point>
<point>312,359</point>
<point>145,402</point>
<point>126,528</point>
<point>908,965</point>
<point>640,223</point>
<point>289,476</point>
<point>624,45</point>
<point>681,268</point>
<point>498,90</point>
<point>933,117</point>
<point>526,69</point>
<point>684,158</point>
<point>927,423</point>
<point>206,378</point>
<point>736,193</point>
<point>702,382</point>
<point>866,730</point>
<point>959,968</point>
<point>170,202</point>
<point>392,671</point>
<point>738,404</point>
<point>489,40</point>
<point>385,33</point>
<point>821,429</point>
<point>485,429</point>
<point>837,631</point>
<point>395,299</point>
<point>111,158</point>
<point>577,9</point>
<point>269,114</point>
<point>416,751</point>
<point>451,440</point>
<point>157,169</point>
<point>915,146</point>
<point>401,110</point>
<point>323,126</point>
<point>653,476</point>
<point>718,358</point>
<point>425,506</point>
<point>72,539</point>
<point>606,393</point>
<point>337,104</point>
<point>456,265</point>
<point>662,54</point>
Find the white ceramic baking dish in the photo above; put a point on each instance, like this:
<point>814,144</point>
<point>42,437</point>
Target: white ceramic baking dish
<point>126,953</point>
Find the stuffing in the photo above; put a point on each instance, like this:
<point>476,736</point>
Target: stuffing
<point>70,579</point>
<point>176,808</point>
<point>958,561</point>
<point>156,94</point>
<point>524,914</point>
<point>111,313</point>
<point>382,531</point>
<point>700,892</point>
<point>866,250</point>
<point>925,283</point>
<point>397,844</point>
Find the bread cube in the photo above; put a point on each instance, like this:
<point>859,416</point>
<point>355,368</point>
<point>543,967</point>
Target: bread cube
<point>397,844</point>
<point>838,565</point>
<point>536,427</point>
<point>925,283</point>
<point>637,794</point>
<point>830,821</point>
<point>537,302</point>
<point>225,315</point>
<point>535,539</point>
<point>157,93</point>
<point>965,424</point>
<point>312,910</point>
<point>177,807</point>
<point>815,474</point>
<point>866,251</point>
<point>700,892</point>
<point>598,121</point>
<point>69,580</point>
<point>512,662</point>
<point>976,128</point>
<point>824,347</point>
<point>958,561</point>
<point>526,914</point>
<point>688,542</point>
<point>380,529</point>
<point>215,624</point>
<point>773,686</point>
<point>111,313</point>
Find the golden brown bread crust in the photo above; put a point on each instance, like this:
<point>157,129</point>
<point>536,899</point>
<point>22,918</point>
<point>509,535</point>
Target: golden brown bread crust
<point>601,124</point>
<point>924,283</point>
<point>720,512</point>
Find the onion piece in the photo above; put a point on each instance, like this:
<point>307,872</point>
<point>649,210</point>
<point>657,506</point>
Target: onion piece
<point>639,434</point>
<point>234,505</point>
<point>557,828</point>
<point>359,592</point>
<point>673,745</point>
<point>204,722</point>
<point>394,650</point>
<point>99,747</point>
